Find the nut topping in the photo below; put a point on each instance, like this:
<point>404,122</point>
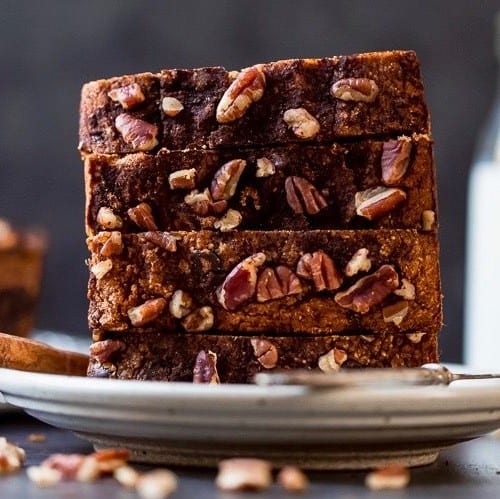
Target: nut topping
<point>378,201</point>
<point>319,268</point>
<point>302,196</point>
<point>226,179</point>
<point>395,312</point>
<point>181,304</point>
<point>395,159</point>
<point>107,219</point>
<point>415,337</point>
<point>100,269</point>
<point>147,312</point>
<point>303,124</point>
<point>202,319</point>
<point>163,240</point>
<point>140,134</point>
<point>243,474</point>
<point>428,220</point>
<point>171,106</point>
<point>407,290</point>
<point>156,484</point>
<point>331,361</point>
<point>142,216</point>
<point>266,352</point>
<point>8,236</point>
<point>246,88</point>
<point>113,245</point>
<point>103,350</point>
<point>370,290</point>
<point>128,96</point>
<point>391,477</point>
<point>182,179</point>
<point>292,479</point>
<point>240,284</point>
<point>355,89</point>
<point>229,221</point>
<point>199,201</point>
<point>11,457</point>
<point>265,168</point>
<point>277,283</point>
<point>205,368</point>
<point>358,263</point>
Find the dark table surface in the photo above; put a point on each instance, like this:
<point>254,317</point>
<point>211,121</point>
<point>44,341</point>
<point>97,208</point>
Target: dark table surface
<point>470,470</point>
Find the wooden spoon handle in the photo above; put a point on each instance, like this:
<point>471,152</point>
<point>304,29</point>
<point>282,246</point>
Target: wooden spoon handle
<point>29,355</point>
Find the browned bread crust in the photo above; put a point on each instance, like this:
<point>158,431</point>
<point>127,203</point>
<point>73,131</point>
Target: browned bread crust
<point>149,267</point>
<point>160,356</point>
<point>384,96</point>
<point>337,173</point>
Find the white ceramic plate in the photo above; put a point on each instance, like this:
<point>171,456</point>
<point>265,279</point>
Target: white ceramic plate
<point>182,423</point>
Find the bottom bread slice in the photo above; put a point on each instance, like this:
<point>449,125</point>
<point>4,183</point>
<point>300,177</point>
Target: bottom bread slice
<point>236,359</point>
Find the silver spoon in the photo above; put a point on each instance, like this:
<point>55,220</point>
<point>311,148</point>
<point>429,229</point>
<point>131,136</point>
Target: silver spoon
<point>428,374</point>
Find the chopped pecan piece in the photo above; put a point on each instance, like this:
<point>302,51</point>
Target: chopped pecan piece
<point>407,290</point>
<point>163,240</point>
<point>226,179</point>
<point>390,477</point>
<point>136,132</point>
<point>240,284</point>
<point>103,350</point>
<point>415,337</point>
<point>205,368</point>
<point>43,476</point>
<point>277,283</point>
<point>395,159</point>
<point>100,269</point>
<point>181,304</point>
<point>292,479</point>
<point>319,268</point>
<point>303,124</point>
<point>355,89</point>
<point>11,457</point>
<point>266,352</point>
<point>182,179</point>
<point>147,312</point>
<point>107,219</point>
<point>126,476</point>
<point>199,201</point>
<point>265,168</point>
<point>128,96</point>
<point>332,361</point>
<point>202,319</point>
<point>8,236</point>
<point>246,88</point>
<point>378,201</point>
<point>358,263</point>
<point>302,196</point>
<point>243,474</point>
<point>395,312</point>
<point>142,216</point>
<point>171,106</point>
<point>113,245</point>
<point>229,221</point>
<point>156,484</point>
<point>370,290</point>
<point>428,220</point>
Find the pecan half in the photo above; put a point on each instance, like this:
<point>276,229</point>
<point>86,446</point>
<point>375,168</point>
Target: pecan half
<point>395,159</point>
<point>229,221</point>
<point>265,168</point>
<point>147,312</point>
<point>302,196</point>
<point>370,290</point>
<point>171,106</point>
<point>107,219</point>
<point>205,368</point>
<point>332,360</point>
<point>142,216</point>
<point>182,179</point>
<point>428,220</point>
<point>163,240</point>
<point>319,268</point>
<point>202,319</point>
<point>226,179</point>
<point>277,283</point>
<point>395,312</point>
<point>128,96</point>
<point>240,284</point>
<point>181,304</point>
<point>247,88</point>
<point>378,201</point>
<point>243,474</point>
<point>359,262</point>
<point>303,124</point>
<point>355,89</point>
<point>113,245</point>
<point>140,134</point>
<point>103,350</point>
<point>266,352</point>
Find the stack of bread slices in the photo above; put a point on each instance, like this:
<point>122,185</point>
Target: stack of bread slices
<point>278,217</point>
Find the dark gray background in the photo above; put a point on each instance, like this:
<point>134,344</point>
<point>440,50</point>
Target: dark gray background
<point>49,48</point>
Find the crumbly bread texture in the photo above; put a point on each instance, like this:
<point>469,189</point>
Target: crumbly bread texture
<point>297,100</point>
<point>275,283</point>
<point>297,187</point>
<point>236,359</point>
